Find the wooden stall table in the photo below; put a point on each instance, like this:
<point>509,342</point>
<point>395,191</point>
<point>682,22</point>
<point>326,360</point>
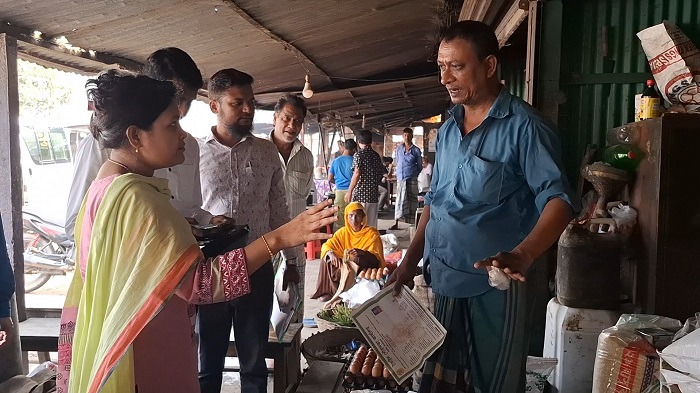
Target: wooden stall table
<point>40,335</point>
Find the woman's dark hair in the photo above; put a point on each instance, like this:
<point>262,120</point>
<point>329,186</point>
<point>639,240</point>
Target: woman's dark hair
<point>293,100</point>
<point>225,79</point>
<point>387,160</point>
<point>350,145</point>
<point>479,34</point>
<point>175,65</point>
<point>122,99</point>
<point>364,137</point>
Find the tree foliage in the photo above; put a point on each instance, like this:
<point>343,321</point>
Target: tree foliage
<point>41,89</point>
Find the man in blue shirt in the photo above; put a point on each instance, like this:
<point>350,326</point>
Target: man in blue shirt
<point>408,167</point>
<point>498,199</point>
<point>340,174</point>
<point>7,289</point>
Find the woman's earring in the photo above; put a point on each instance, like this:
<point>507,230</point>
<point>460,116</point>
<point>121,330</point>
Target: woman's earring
<point>137,150</point>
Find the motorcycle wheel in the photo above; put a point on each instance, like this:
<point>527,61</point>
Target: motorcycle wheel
<point>35,242</point>
<point>35,283</point>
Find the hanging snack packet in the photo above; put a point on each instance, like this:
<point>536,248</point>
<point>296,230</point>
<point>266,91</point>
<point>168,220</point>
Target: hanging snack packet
<point>675,64</point>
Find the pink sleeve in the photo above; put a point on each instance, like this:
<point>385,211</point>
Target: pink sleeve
<point>217,279</point>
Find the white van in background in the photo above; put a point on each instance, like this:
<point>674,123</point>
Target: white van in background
<point>47,169</point>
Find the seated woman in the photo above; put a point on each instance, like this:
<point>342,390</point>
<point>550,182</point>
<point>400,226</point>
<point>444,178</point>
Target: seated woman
<point>127,321</point>
<point>364,248</point>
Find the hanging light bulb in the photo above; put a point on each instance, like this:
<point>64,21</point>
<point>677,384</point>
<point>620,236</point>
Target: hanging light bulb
<point>307,92</point>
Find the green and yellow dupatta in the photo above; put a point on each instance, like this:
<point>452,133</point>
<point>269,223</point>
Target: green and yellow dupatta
<point>140,251</point>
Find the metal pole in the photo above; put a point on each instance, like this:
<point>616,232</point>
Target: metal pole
<point>11,193</point>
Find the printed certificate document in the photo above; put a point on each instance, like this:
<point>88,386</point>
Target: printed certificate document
<point>402,332</point>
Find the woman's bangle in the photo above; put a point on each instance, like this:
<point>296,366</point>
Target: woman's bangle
<point>269,250</point>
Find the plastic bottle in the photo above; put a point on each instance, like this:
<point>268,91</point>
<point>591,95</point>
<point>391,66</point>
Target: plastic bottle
<point>626,157</point>
<point>651,102</point>
<point>625,135</point>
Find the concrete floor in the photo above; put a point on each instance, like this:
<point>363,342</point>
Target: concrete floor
<point>52,295</point>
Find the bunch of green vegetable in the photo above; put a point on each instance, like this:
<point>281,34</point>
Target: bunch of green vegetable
<point>339,314</point>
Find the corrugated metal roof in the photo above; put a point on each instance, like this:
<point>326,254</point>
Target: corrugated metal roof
<point>354,38</point>
<point>368,56</point>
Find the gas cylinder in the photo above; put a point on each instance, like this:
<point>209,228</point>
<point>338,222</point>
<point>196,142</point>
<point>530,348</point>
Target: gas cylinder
<point>588,265</point>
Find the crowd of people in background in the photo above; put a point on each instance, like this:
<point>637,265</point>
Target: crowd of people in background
<point>402,179</point>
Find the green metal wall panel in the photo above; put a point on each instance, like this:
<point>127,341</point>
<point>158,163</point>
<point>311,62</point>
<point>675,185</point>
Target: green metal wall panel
<point>599,90</point>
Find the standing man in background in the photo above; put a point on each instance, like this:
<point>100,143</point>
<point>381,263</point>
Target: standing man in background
<point>368,172</point>
<point>242,179</point>
<point>425,176</point>
<point>298,165</point>
<point>408,167</point>
<point>340,174</point>
<point>167,64</point>
<point>340,152</point>
<point>297,160</point>
<point>385,184</point>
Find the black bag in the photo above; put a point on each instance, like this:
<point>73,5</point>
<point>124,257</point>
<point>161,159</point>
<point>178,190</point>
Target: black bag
<point>232,238</point>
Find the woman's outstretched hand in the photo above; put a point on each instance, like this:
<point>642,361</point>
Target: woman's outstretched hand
<point>305,227</point>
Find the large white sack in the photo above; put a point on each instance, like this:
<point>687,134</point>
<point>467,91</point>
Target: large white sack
<point>684,354</point>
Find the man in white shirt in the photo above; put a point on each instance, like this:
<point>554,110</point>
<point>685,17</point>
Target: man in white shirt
<point>171,64</point>
<point>298,165</point>
<point>425,176</point>
<point>242,179</point>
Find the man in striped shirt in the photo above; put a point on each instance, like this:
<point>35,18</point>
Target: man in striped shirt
<point>298,165</point>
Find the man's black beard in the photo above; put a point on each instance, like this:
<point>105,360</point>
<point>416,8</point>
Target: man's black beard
<point>238,131</point>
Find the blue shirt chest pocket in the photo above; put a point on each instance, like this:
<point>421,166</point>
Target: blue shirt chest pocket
<point>479,181</point>
<point>410,158</point>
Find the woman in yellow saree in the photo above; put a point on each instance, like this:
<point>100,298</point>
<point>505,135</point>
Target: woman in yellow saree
<point>127,322</point>
<point>364,249</point>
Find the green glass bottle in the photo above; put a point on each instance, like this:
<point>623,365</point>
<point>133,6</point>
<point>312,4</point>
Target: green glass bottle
<point>625,157</point>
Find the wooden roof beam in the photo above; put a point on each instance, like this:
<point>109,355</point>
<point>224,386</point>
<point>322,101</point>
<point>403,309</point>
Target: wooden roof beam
<point>422,112</point>
<point>516,14</point>
<point>97,59</point>
<point>301,56</point>
<point>380,104</point>
<point>474,9</point>
<point>354,99</point>
<point>405,95</point>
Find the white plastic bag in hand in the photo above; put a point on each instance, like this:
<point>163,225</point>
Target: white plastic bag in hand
<point>360,292</point>
<point>498,279</point>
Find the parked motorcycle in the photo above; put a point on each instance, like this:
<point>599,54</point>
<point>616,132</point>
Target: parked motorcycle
<point>48,251</point>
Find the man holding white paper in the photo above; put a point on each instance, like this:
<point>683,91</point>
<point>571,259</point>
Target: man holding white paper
<point>498,199</point>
